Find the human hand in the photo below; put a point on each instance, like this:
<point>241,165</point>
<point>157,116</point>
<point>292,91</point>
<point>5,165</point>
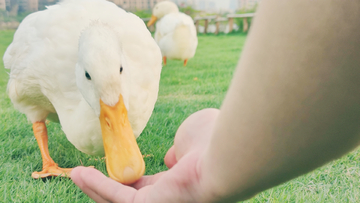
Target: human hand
<point>181,183</point>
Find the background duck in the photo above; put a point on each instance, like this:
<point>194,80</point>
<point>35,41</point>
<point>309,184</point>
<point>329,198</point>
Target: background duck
<point>175,32</point>
<point>94,68</point>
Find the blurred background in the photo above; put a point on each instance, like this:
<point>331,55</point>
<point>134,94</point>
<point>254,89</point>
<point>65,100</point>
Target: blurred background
<point>211,16</point>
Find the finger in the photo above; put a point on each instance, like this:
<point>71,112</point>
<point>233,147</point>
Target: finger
<point>101,186</point>
<point>76,178</point>
<point>148,180</point>
<point>107,188</point>
<point>170,157</point>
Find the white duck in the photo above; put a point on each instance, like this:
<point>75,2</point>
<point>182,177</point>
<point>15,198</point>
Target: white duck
<point>96,69</point>
<point>175,32</point>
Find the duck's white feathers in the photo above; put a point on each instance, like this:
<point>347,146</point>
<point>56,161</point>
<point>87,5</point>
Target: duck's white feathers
<point>176,36</point>
<point>43,56</point>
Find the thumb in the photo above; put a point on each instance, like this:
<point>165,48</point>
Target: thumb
<point>170,158</point>
<point>195,132</point>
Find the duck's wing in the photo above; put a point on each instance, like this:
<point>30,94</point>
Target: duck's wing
<point>39,62</point>
<point>23,86</point>
<point>18,50</point>
<point>171,21</point>
<point>166,25</point>
<point>176,36</point>
<point>188,21</point>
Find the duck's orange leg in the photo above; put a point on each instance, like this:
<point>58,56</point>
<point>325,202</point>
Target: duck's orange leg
<point>185,62</point>
<point>50,168</point>
<point>164,60</point>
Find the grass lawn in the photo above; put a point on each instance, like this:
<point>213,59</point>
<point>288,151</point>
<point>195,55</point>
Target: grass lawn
<point>183,90</point>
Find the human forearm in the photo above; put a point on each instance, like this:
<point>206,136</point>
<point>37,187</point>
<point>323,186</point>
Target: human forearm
<point>293,104</point>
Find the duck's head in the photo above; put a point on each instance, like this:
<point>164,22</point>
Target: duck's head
<point>161,9</point>
<point>102,76</point>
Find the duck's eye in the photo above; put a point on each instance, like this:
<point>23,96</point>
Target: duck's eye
<point>87,75</point>
<point>121,69</point>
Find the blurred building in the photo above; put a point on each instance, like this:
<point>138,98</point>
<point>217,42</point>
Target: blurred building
<point>15,6</point>
<point>216,5</point>
<point>205,5</point>
<point>134,5</point>
<point>44,3</point>
<point>184,3</point>
<point>246,4</point>
<point>28,5</point>
<point>35,5</point>
<point>2,5</point>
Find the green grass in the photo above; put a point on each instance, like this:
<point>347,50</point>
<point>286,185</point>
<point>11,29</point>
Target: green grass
<point>183,90</point>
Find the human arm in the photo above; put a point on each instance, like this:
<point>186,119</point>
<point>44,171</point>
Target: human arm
<point>293,104</point>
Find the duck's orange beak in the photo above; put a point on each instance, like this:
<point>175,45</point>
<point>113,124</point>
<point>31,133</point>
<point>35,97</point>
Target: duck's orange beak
<point>124,161</point>
<point>152,21</point>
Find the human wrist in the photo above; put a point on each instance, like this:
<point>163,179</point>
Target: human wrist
<point>218,188</point>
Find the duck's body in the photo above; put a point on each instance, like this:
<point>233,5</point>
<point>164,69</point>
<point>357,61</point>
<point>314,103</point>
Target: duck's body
<point>175,32</point>
<point>176,36</point>
<point>51,55</point>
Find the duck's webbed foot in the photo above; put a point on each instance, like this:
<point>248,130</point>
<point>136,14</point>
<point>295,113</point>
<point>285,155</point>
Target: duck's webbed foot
<point>54,170</point>
<point>50,168</point>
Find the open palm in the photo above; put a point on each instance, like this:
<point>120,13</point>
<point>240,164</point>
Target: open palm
<point>181,183</point>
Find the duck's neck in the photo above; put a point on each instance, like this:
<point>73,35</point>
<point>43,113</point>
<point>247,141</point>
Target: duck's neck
<point>81,126</point>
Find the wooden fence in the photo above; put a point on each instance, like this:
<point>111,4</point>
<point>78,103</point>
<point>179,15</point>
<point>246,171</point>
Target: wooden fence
<point>217,20</point>
<point>229,18</point>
